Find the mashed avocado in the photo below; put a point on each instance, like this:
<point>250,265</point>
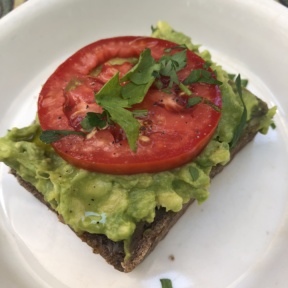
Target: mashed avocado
<point>112,204</point>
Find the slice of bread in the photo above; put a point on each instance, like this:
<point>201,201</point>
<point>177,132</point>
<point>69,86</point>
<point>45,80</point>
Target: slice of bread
<point>148,235</point>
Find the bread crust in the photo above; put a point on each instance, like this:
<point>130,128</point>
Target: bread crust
<point>148,235</point>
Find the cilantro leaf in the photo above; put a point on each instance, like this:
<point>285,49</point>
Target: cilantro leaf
<point>50,136</point>
<point>239,129</point>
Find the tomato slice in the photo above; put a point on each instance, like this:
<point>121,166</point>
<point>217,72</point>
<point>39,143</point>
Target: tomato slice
<point>170,135</point>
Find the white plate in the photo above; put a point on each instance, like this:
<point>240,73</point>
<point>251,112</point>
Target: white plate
<point>238,238</point>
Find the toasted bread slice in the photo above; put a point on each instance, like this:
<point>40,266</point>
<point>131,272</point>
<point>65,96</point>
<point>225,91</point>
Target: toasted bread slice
<point>148,235</point>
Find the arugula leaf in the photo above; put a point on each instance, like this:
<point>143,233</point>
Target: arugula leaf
<point>50,136</point>
<point>166,283</point>
<point>239,129</point>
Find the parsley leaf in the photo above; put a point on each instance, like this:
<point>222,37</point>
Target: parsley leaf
<point>171,64</point>
<point>182,46</point>
<point>201,75</point>
<point>141,77</point>
<point>239,129</point>
<point>110,98</point>
<point>93,120</point>
<point>50,136</point>
<point>141,73</point>
<point>194,101</point>
<point>194,172</point>
<point>140,113</point>
<point>166,283</point>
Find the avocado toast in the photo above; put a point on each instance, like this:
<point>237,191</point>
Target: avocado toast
<point>157,206</point>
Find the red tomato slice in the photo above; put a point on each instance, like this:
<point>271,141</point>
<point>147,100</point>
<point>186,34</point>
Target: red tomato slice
<point>170,135</point>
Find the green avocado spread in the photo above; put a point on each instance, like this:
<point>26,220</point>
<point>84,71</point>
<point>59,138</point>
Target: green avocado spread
<point>112,204</point>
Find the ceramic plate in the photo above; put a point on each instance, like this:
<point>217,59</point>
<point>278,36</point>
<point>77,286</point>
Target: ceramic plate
<point>238,238</point>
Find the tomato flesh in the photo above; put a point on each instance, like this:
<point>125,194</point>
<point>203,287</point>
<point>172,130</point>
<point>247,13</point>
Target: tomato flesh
<point>170,135</point>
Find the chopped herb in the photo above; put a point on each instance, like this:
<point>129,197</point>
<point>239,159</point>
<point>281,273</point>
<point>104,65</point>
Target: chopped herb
<point>244,82</point>
<point>185,89</point>
<point>140,113</point>
<point>153,29</point>
<point>92,120</point>
<point>202,76</point>
<point>182,46</point>
<point>212,105</point>
<point>141,73</point>
<point>273,125</point>
<point>239,129</point>
<point>194,101</point>
<point>207,64</point>
<point>166,283</point>
<point>194,172</point>
<point>50,136</point>
<point>110,98</point>
<point>231,76</point>
<point>171,64</point>
<point>198,99</point>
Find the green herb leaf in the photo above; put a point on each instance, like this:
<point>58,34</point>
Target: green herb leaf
<point>244,82</point>
<point>109,97</point>
<point>273,125</point>
<point>92,120</point>
<point>207,64</point>
<point>185,89</point>
<point>166,283</point>
<point>140,113</point>
<point>202,76</point>
<point>194,172</point>
<point>127,122</point>
<point>182,46</point>
<point>141,73</point>
<point>135,93</point>
<point>239,129</point>
<point>50,136</point>
<point>171,64</point>
<point>111,93</point>
<point>194,101</point>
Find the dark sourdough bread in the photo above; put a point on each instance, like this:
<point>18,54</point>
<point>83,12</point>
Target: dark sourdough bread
<point>148,235</point>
